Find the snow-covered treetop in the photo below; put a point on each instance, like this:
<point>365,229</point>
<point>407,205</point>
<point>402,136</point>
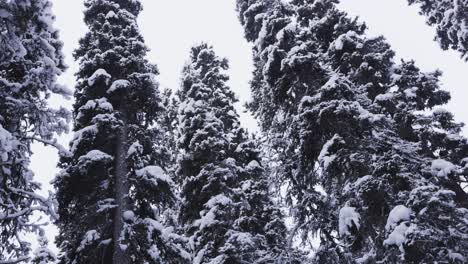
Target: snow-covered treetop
<point>205,97</point>
<point>112,61</point>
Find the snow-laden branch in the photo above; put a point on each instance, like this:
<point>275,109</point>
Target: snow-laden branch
<point>62,151</point>
<point>12,261</point>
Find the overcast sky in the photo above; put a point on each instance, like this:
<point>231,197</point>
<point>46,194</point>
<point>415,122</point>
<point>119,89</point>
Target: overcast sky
<point>171,27</point>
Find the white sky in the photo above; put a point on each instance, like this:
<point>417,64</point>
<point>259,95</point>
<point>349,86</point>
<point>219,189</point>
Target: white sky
<point>171,27</point>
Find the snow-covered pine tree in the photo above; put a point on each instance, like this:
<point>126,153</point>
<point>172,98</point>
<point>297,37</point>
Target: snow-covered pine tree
<point>30,61</point>
<point>43,255</point>
<point>226,209</point>
<point>450,18</point>
<point>113,189</point>
<point>166,137</point>
<point>356,173</point>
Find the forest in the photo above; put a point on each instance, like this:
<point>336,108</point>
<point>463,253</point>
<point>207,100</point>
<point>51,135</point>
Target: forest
<point>354,152</point>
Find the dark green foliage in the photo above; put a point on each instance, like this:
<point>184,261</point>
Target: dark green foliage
<point>119,128</point>
<point>345,122</point>
<point>226,209</point>
<point>30,61</point>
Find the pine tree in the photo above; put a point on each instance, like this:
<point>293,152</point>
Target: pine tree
<point>450,18</point>
<point>167,131</point>
<point>43,255</point>
<point>340,114</point>
<point>30,61</point>
<point>226,210</point>
<point>113,189</point>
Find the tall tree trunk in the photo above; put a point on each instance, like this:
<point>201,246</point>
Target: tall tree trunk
<point>121,189</point>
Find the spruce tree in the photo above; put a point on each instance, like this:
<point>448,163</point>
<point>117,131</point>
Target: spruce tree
<point>450,18</point>
<point>113,189</point>
<point>440,137</point>
<point>43,255</point>
<point>340,114</point>
<point>30,61</point>
<point>226,209</point>
<point>167,131</point>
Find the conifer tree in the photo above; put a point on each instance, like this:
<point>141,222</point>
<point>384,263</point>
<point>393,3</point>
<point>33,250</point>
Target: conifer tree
<point>43,255</point>
<point>113,189</point>
<point>344,117</point>
<point>167,131</point>
<point>450,18</point>
<point>226,209</point>
<point>30,61</point>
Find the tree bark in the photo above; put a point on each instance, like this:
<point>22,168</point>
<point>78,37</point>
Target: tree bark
<point>121,189</point>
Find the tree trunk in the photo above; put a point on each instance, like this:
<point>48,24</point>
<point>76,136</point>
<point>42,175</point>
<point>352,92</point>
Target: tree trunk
<point>121,190</point>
